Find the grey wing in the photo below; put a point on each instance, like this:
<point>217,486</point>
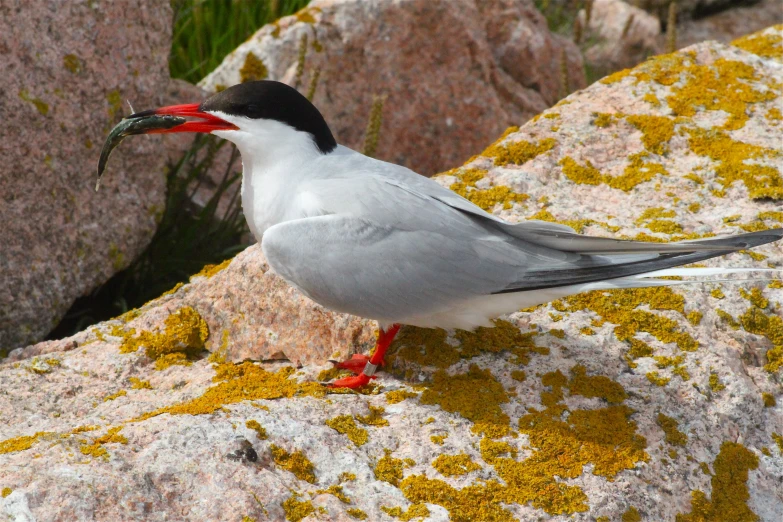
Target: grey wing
<point>354,265</point>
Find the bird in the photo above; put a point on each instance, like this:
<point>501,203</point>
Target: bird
<point>377,240</point>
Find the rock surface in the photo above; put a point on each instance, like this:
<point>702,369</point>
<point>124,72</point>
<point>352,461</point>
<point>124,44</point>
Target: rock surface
<point>692,9</point>
<point>730,24</point>
<point>496,62</point>
<point>624,35</point>
<point>68,72</point>
<point>660,404</point>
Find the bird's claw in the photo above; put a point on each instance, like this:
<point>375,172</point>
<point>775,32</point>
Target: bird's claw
<point>355,364</point>
<point>353,382</point>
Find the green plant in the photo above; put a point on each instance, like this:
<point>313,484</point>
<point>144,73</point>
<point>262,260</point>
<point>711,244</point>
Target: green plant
<point>205,31</point>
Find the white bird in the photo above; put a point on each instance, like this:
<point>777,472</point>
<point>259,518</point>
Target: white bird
<point>377,240</point>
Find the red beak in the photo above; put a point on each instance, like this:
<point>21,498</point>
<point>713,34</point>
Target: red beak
<point>207,124</point>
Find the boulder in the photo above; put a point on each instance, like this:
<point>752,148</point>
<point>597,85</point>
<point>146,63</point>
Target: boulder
<point>68,73</point>
<point>618,35</point>
<point>496,62</point>
<point>650,404</point>
<point>692,9</point>
<point>730,24</point>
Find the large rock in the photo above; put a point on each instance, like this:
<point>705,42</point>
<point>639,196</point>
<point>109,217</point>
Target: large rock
<point>618,35</point>
<point>67,73</point>
<point>632,405</point>
<point>693,9</point>
<point>730,24</point>
<point>456,72</point>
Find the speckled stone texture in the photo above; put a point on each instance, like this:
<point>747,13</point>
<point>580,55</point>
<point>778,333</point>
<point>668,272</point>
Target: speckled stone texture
<point>658,404</point>
<point>68,69</point>
<point>496,62</point>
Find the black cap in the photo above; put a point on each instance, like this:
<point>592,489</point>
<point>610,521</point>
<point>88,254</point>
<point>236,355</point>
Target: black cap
<point>270,100</point>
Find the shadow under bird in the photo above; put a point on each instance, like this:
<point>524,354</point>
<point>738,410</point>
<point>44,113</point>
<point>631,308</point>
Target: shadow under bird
<point>370,238</point>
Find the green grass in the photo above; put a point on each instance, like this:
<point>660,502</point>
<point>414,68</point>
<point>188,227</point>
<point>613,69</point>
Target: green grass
<point>205,31</point>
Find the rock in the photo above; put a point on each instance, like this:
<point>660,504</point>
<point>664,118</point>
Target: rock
<point>624,36</point>
<point>641,404</point>
<point>68,74</point>
<point>496,62</point>
<point>730,24</point>
<point>693,9</point>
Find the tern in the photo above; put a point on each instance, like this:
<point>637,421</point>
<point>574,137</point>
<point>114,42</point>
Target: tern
<point>377,240</point>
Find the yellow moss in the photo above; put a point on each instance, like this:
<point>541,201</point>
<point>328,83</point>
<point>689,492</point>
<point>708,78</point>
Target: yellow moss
<point>619,307</point>
<point>6,492</point>
<point>296,462</point>
<point>397,396</point>
<point>484,198</point>
<point>438,439</point>
<point>346,425</point>
<point>121,393</point>
<point>337,492</point>
<point>657,379</point>
<point>22,443</point>
<point>694,317</point>
<point>253,69</point>
<point>210,270</point>
<point>475,395</point>
<point>295,509</point>
<point>603,119</point>
<point>670,428</point>
<point>518,153</point>
<point>755,297</point>
<point>255,426</point>
<point>769,400</point>
<point>388,469</point>
<point>656,131</point>
<point>717,293</point>
<point>699,181</point>
<point>779,441</point>
<point>96,450</point>
<point>631,515</point>
<point>374,418</point>
<point>138,384</point>
<point>694,207</point>
<point>491,450</point>
<point>725,316</point>
<point>731,156</point>
<point>729,497</point>
<point>518,375</point>
<point>769,45</point>
<point>774,115</point>
<point>639,349</point>
<point>652,99</point>
<point>414,511</point>
<point>453,465</point>
<point>616,77</point>
<point>577,173</point>
<point>241,382</point>
<point>595,386</point>
<point>356,513</point>
<point>184,336</point>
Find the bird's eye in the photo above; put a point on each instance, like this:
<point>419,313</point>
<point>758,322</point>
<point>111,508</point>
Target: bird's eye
<point>253,110</point>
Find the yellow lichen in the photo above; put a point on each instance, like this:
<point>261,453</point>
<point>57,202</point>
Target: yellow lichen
<point>717,293</point>
<point>730,495</point>
<point>766,44</point>
<point>518,375</point>
<point>22,443</point>
<point>671,430</point>
<point>475,395</point>
<point>755,321</point>
<point>95,449</point>
<point>255,426</point>
<point>517,153</point>
<point>295,509</point>
<point>241,382</point>
<point>631,515</point>
<point>779,441</point>
<point>694,317</point>
<point>138,384</point>
<point>356,513</point>
<point>484,198</point>
<point>121,393</point>
<point>374,418</point>
<point>397,396</point>
<point>252,69</point>
<point>656,131</point>
<point>731,156</point>
<point>296,462</point>
<point>210,270</point>
<point>699,181</point>
<point>346,425</point>
<point>769,400</point>
<point>657,379</point>
<point>603,119</point>
<point>616,77</point>
<point>40,105</point>
<point>595,386</point>
<point>577,173</point>
<point>439,439</point>
<point>388,469</point>
<point>337,492</point>
<point>6,492</point>
<point>184,336</point>
<point>453,465</point>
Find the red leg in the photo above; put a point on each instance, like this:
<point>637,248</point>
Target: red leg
<point>385,339</point>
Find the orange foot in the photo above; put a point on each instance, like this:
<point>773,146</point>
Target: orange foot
<point>355,364</point>
<point>356,381</point>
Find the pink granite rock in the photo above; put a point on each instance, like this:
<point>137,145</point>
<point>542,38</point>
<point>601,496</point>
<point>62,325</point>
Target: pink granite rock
<point>496,63</point>
<point>645,404</point>
<point>68,71</point>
